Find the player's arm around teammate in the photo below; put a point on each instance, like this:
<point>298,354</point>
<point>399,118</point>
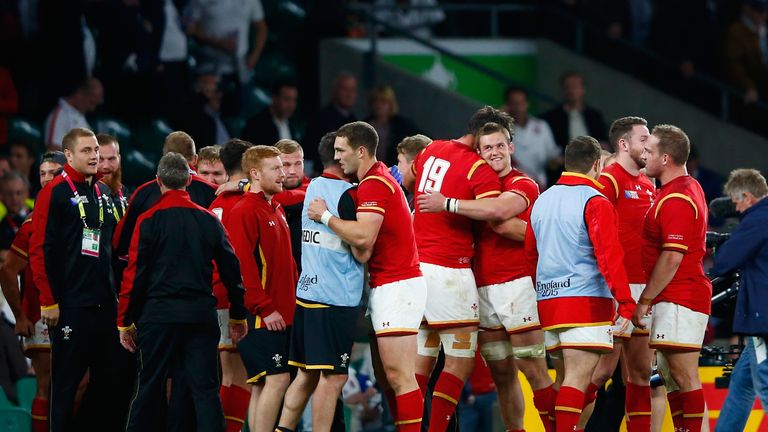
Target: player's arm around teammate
<point>383,236</point>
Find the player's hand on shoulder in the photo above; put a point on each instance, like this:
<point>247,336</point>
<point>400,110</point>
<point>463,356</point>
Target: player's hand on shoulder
<point>431,202</point>
<point>275,322</point>
<point>316,209</point>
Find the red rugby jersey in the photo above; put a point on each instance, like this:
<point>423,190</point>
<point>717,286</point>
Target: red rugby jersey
<point>394,256</point>
<point>222,204</point>
<point>262,243</point>
<point>456,171</point>
<point>632,196</point>
<point>499,259</point>
<point>677,221</point>
<point>30,299</point>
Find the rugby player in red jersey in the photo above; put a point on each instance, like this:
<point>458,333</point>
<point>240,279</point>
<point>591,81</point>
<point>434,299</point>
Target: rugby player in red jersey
<point>383,237</point>
<point>631,192</point>
<point>509,319</point>
<point>674,234</point>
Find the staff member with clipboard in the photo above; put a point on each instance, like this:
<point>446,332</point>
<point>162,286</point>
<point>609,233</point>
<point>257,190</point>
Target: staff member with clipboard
<point>71,255</point>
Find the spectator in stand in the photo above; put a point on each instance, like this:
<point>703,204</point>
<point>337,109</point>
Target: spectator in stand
<point>14,191</point>
<point>403,14</point>
<point>70,112</point>
<point>172,76</point>
<point>746,51</point>
<point>22,158</point>
<point>9,102</point>
<point>274,123</point>
<point>535,148</point>
<point>389,124</point>
<point>231,34</point>
<point>334,115</point>
<point>203,121</point>
<point>5,164</point>
<point>573,118</point>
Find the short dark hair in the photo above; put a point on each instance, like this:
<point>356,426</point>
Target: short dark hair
<point>173,170</point>
<point>514,89</point>
<point>360,134</point>
<point>56,157</point>
<point>26,145</point>
<point>570,74</point>
<point>13,176</point>
<point>326,151</point>
<point>674,142</point>
<point>489,114</point>
<point>623,126</point>
<point>278,86</point>
<point>231,155</point>
<point>581,154</point>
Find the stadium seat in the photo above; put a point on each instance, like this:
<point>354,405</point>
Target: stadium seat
<point>256,99</point>
<point>285,18</point>
<point>138,166</point>
<point>274,66</point>
<point>4,401</point>
<point>14,419</point>
<point>22,129</point>
<point>235,125</point>
<point>26,388</point>
<point>117,128</point>
<point>150,135</point>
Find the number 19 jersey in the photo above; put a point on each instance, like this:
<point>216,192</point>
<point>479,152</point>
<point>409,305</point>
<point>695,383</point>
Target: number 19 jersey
<point>457,171</point>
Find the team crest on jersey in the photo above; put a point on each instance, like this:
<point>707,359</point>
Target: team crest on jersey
<point>67,331</point>
<point>278,360</point>
<point>631,194</point>
<point>344,359</point>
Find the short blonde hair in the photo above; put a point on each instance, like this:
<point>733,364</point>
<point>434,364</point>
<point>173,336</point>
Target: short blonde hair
<point>70,139</point>
<point>388,94</point>
<point>209,154</point>
<point>181,143</point>
<point>746,180</point>
<point>412,145</point>
<point>289,146</point>
<point>253,156</point>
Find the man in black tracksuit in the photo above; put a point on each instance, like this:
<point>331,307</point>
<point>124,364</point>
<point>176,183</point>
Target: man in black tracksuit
<point>145,196</point>
<point>167,308</point>
<point>70,255</point>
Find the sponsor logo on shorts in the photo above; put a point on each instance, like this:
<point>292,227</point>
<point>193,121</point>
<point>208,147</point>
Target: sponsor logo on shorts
<point>527,319</point>
<point>551,288</point>
<point>278,359</point>
<point>306,281</point>
<point>660,336</point>
<point>474,309</point>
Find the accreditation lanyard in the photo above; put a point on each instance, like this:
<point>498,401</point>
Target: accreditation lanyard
<point>80,205</point>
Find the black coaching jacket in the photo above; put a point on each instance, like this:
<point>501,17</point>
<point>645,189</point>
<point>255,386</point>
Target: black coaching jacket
<point>169,278</point>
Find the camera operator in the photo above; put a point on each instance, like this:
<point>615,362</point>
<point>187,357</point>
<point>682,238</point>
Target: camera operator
<point>747,250</point>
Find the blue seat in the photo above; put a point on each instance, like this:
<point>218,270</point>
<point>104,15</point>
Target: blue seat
<point>15,419</point>
<point>26,389</point>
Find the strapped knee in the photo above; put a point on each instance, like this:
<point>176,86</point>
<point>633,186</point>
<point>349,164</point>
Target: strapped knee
<point>530,351</point>
<point>496,350</point>
<point>459,344</point>
<point>428,343</point>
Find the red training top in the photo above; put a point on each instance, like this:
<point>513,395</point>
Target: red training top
<point>677,221</point>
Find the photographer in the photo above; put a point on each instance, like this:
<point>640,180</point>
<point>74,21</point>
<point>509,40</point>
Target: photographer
<point>747,250</point>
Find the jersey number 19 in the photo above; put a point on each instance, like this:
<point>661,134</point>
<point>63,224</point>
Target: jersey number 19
<point>434,173</point>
